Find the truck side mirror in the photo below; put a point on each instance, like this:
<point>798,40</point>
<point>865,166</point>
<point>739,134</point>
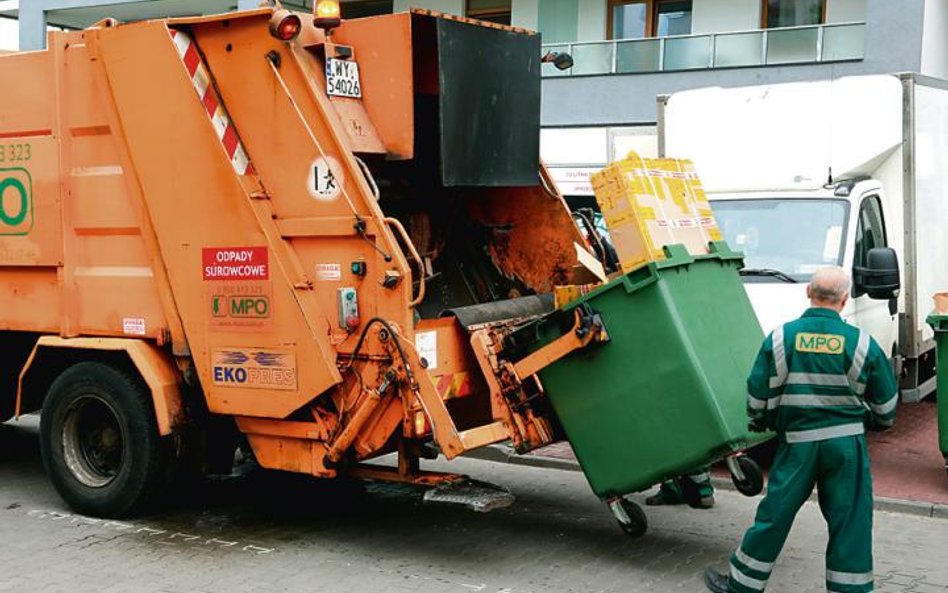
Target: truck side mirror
<point>880,278</point>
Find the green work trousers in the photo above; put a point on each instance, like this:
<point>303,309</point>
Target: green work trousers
<point>839,468</point>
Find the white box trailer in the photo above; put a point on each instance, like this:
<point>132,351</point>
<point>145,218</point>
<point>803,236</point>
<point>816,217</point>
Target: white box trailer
<point>810,174</point>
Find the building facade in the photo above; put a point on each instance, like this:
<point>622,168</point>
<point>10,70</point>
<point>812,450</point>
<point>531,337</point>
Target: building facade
<point>626,52</point>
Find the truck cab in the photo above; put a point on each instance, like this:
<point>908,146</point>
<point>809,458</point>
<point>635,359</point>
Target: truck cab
<point>843,172</point>
<point>786,236</point>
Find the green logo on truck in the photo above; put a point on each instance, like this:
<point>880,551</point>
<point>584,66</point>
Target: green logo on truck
<point>241,306</point>
<point>16,201</point>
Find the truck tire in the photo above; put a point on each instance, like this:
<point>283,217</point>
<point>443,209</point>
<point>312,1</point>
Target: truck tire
<point>99,440</point>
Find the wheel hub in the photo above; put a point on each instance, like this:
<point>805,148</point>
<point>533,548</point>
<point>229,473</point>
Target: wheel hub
<point>93,443</point>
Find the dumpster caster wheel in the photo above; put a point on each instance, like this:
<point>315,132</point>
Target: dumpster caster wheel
<point>630,516</point>
<point>746,475</point>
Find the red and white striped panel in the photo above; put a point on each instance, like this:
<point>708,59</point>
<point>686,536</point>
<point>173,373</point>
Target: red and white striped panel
<point>212,103</point>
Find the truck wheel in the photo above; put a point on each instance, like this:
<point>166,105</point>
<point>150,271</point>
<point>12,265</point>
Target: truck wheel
<point>99,440</point>
<point>752,482</point>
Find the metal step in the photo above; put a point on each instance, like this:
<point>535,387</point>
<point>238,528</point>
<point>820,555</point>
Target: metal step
<point>474,494</point>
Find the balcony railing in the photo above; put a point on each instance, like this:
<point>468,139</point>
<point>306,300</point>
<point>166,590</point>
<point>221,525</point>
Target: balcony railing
<point>764,47</point>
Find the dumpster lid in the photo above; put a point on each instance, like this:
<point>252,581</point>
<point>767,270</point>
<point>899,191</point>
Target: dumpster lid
<point>938,321</point>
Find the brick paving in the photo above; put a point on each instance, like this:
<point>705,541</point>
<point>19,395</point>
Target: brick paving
<point>266,533</point>
<point>906,462</point>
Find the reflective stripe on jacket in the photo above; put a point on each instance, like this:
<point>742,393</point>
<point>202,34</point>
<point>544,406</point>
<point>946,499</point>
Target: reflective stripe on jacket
<point>818,377</point>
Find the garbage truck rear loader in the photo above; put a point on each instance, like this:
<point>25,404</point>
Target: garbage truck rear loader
<point>199,225</point>
<point>246,229</point>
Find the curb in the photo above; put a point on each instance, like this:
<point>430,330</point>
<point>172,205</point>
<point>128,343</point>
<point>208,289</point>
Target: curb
<point>505,454</point>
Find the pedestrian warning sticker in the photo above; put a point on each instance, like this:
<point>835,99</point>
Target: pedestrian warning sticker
<point>253,368</point>
<point>325,179</point>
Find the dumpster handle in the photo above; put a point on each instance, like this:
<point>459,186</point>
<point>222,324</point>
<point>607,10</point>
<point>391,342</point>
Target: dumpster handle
<point>397,225</point>
<point>579,336</point>
<point>632,285</point>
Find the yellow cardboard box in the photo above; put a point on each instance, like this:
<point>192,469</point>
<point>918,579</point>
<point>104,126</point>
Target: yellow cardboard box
<point>650,203</point>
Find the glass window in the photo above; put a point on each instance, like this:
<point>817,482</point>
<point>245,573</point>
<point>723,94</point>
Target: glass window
<point>637,19</point>
<point>673,18</point>
<point>630,20</point>
<point>870,230</point>
<point>362,8</point>
<point>796,236</point>
<point>495,11</point>
<point>793,13</point>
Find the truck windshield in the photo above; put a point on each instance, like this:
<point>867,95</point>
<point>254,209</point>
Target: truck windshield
<point>795,236</point>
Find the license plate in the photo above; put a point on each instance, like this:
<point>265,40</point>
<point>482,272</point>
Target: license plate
<point>342,78</point>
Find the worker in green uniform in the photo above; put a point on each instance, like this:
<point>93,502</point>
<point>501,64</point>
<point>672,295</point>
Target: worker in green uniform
<point>819,383</point>
<point>694,488</point>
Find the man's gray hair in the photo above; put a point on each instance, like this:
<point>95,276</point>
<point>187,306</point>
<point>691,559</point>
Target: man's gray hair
<point>829,285</point>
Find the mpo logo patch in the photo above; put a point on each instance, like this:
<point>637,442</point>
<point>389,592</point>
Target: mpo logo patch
<point>16,201</point>
<point>820,343</point>
<point>253,368</point>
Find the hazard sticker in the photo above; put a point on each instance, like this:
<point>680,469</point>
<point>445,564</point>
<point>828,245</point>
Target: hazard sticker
<point>133,326</point>
<point>329,272</point>
<point>253,368</point>
<point>426,343</point>
<point>325,179</point>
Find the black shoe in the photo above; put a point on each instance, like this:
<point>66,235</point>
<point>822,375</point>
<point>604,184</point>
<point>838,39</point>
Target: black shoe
<point>705,502</point>
<point>715,581</point>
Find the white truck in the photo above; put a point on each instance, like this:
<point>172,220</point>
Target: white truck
<point>850,172</point>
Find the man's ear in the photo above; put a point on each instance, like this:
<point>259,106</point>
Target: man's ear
<point>809,292</point>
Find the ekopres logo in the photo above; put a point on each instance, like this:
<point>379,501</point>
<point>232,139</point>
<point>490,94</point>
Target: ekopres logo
<point>254,369</point>
<point>16,201</point>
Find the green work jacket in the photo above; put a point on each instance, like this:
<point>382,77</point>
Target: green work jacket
<point>818,378</point>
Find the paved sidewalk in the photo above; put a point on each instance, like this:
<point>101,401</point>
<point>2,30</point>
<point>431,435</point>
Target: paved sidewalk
<point>907,467</point>
<point>269,534</point>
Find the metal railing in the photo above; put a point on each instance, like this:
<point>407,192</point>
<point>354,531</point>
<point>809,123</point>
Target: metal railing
<point>760,47</point>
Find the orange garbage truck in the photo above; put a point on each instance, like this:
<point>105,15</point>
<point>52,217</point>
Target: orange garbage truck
<point>305,238</point>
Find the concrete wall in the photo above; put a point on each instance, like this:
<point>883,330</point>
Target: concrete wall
<point>935,39</point>
<point>710,16</point>
<point>449,6</point>
<point>556,20</point>
<point>591,24</point>
<point>843,11</point>
<point>523,13</point>
<point>893,44</point>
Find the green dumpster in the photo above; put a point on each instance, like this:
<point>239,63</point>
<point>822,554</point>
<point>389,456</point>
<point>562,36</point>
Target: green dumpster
<point>667,393</point>
<point>939,323</point>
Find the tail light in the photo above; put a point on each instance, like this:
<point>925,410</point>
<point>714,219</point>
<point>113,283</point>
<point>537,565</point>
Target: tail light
<point>284,25</point>
<point>327,14</point>
<point>422,426</point>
